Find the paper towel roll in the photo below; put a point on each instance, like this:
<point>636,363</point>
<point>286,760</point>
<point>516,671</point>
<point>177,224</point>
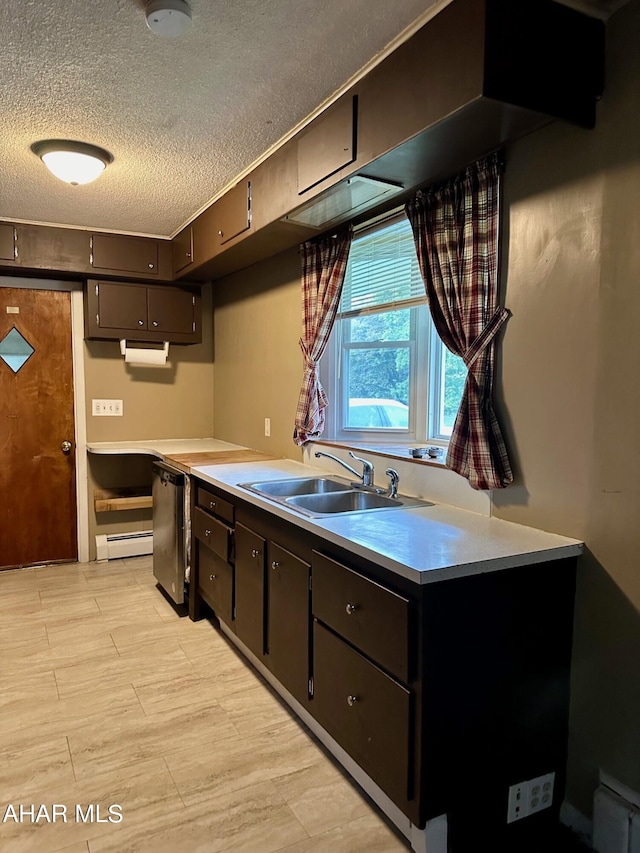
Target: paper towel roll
<point>142,356</point>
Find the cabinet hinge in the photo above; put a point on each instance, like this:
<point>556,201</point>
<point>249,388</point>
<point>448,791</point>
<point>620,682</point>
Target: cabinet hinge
<point>194,325</point>
<point>311,686</point>
<point>249,210</point>
<point>15,243</point>
<point>97,289</point>
<point>91,252</point>
<point>310,583</point>
<point>97,319</point>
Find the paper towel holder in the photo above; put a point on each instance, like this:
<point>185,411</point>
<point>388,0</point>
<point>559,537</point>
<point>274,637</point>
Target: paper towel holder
<point>144,357</point>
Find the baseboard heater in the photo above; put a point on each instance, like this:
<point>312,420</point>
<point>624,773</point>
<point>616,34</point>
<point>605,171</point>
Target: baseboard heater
<point>111,546</point>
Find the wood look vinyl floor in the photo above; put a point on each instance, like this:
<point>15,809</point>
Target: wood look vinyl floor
<point>127,729</point>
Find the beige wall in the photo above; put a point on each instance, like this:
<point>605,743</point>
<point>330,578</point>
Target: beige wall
<point>568,393</point>
<point>571,396</point>
<point>258,362</point>
<point>158,402</point>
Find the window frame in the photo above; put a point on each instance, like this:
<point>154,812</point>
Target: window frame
<point>426,381</point>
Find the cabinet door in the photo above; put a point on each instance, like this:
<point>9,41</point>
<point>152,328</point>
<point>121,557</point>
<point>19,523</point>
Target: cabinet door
<point>122,306</point>
<point>250,566</point>
<point>328,145</point>
<point>215,583</point>
<point>6,242</point>
<point>170,310</point>
<point>182,249</point>
<point>233,212</point>
<point>124,254</point>
<point>288,620</point>
<point>365,710</point>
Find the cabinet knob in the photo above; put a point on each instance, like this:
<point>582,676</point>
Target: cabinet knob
<point>212,504</point>
<point>141,322</point>
<point>154,322</point>
<point>207,533</point>
<point>188,254</point>
<point>220,233</point>
<point>151,266</point>
<point>255,552</point>
<point>212,577</point>
<point>351,609</point>
<point>351,700</point>
<point>275,564</point>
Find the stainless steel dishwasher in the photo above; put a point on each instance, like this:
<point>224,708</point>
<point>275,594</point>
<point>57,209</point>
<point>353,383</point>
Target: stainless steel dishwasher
<point>169,529</point>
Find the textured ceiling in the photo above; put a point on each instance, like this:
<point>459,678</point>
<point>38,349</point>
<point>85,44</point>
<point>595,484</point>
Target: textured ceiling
<point>182,117</point>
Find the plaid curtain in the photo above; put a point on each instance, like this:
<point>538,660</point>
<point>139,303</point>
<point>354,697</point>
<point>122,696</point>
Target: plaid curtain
<point>324,264</point>
<point>455,228</point>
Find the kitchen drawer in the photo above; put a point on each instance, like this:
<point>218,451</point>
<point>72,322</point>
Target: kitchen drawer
<point>215,505</point>
<point>368,615</point>
<point>215,582</point>
<point>213,533</point>
<point>365,710</point>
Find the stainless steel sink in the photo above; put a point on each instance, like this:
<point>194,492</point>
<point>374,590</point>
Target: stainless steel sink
<point>300,486</point>
<point>354,500</point>
<point>323,496</point>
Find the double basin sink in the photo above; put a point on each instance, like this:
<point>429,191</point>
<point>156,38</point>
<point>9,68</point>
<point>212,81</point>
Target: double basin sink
<point>325,496</point>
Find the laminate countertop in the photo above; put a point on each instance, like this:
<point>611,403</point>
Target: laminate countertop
<point>423,544</point>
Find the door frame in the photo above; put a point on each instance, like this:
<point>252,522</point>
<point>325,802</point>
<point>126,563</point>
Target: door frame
<point>79,396</point>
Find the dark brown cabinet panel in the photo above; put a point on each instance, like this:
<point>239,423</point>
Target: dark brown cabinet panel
<point>233,212</point>
<point>214,504</point>
<point>250,585</point>
<point>329,144</point>
<point>372,617</point>
<point>213,533</point>
<point>124,254</point>
<point>142,312</point>
<point>215,582</point>
<point>7,242</point>
<point>288,620</point>
<point>182,250</point>
<point>366,711</point>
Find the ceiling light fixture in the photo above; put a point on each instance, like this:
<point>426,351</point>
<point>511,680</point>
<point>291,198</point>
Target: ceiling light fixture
<point>168,18</point>
<point>72,162</point>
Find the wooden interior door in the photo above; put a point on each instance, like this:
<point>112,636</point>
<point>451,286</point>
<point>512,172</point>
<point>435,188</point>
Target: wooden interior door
<point>37,470</point>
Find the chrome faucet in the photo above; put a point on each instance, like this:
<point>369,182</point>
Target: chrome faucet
<point>394,479</point>
<point>367,468</point>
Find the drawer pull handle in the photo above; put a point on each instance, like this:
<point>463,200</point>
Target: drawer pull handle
<point>255,552</point>
<point>212,577</point>
<point>275,564</point>
<point>207,533</point>
<point>351,609</point>
<point>351,700</point>
<point>212,504</point>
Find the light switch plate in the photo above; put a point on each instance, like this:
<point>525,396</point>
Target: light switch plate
<point>106,408</point>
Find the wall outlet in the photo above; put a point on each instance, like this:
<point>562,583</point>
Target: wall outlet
<point>106,408</point>
<point>527,798</point>
<point>267,426</point>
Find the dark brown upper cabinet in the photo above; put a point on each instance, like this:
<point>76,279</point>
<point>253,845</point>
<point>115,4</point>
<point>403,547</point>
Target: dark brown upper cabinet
<point>124,254</point>
<point>182,250</point>
<point>142,312</point>
<point>7,242</point>
<point>329,144</point>
<point>232,212</point>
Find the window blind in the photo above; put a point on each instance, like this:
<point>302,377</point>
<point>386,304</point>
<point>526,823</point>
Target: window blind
<point>382,270</point>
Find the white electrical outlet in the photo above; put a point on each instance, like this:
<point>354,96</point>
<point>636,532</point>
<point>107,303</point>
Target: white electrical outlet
<point>527,798</point>
<point>106,408</point>
<point>267,426</point>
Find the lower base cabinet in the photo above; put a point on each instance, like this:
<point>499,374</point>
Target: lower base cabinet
<point>424,687</point>
<point>288,620</point>
<point>365,710</point>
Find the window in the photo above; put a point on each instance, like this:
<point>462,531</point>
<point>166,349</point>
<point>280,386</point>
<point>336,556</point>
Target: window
<point>386,371</point>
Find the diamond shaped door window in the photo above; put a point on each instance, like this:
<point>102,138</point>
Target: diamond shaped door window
<point>15,350</point>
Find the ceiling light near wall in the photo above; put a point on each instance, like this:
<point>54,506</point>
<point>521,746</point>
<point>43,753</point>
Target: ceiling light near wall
<point>72,162</point>
<point>168,18</point>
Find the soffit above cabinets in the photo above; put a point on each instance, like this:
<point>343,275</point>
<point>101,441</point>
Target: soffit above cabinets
<point>183,117</point>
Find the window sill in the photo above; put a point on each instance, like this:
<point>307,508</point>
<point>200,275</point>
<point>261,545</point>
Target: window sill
<point>389,451</point>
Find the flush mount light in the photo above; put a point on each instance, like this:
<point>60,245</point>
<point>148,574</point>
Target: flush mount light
<point>168,18</point>
<point>72,162</point>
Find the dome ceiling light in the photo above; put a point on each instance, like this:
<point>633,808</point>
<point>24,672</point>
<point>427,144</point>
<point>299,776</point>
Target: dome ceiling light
<point>168,18</point>
<point>72,162</point>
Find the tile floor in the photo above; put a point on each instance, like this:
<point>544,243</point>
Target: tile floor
<point>110,699</point>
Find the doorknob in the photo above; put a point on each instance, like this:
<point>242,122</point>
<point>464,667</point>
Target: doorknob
<point>66,446</point>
